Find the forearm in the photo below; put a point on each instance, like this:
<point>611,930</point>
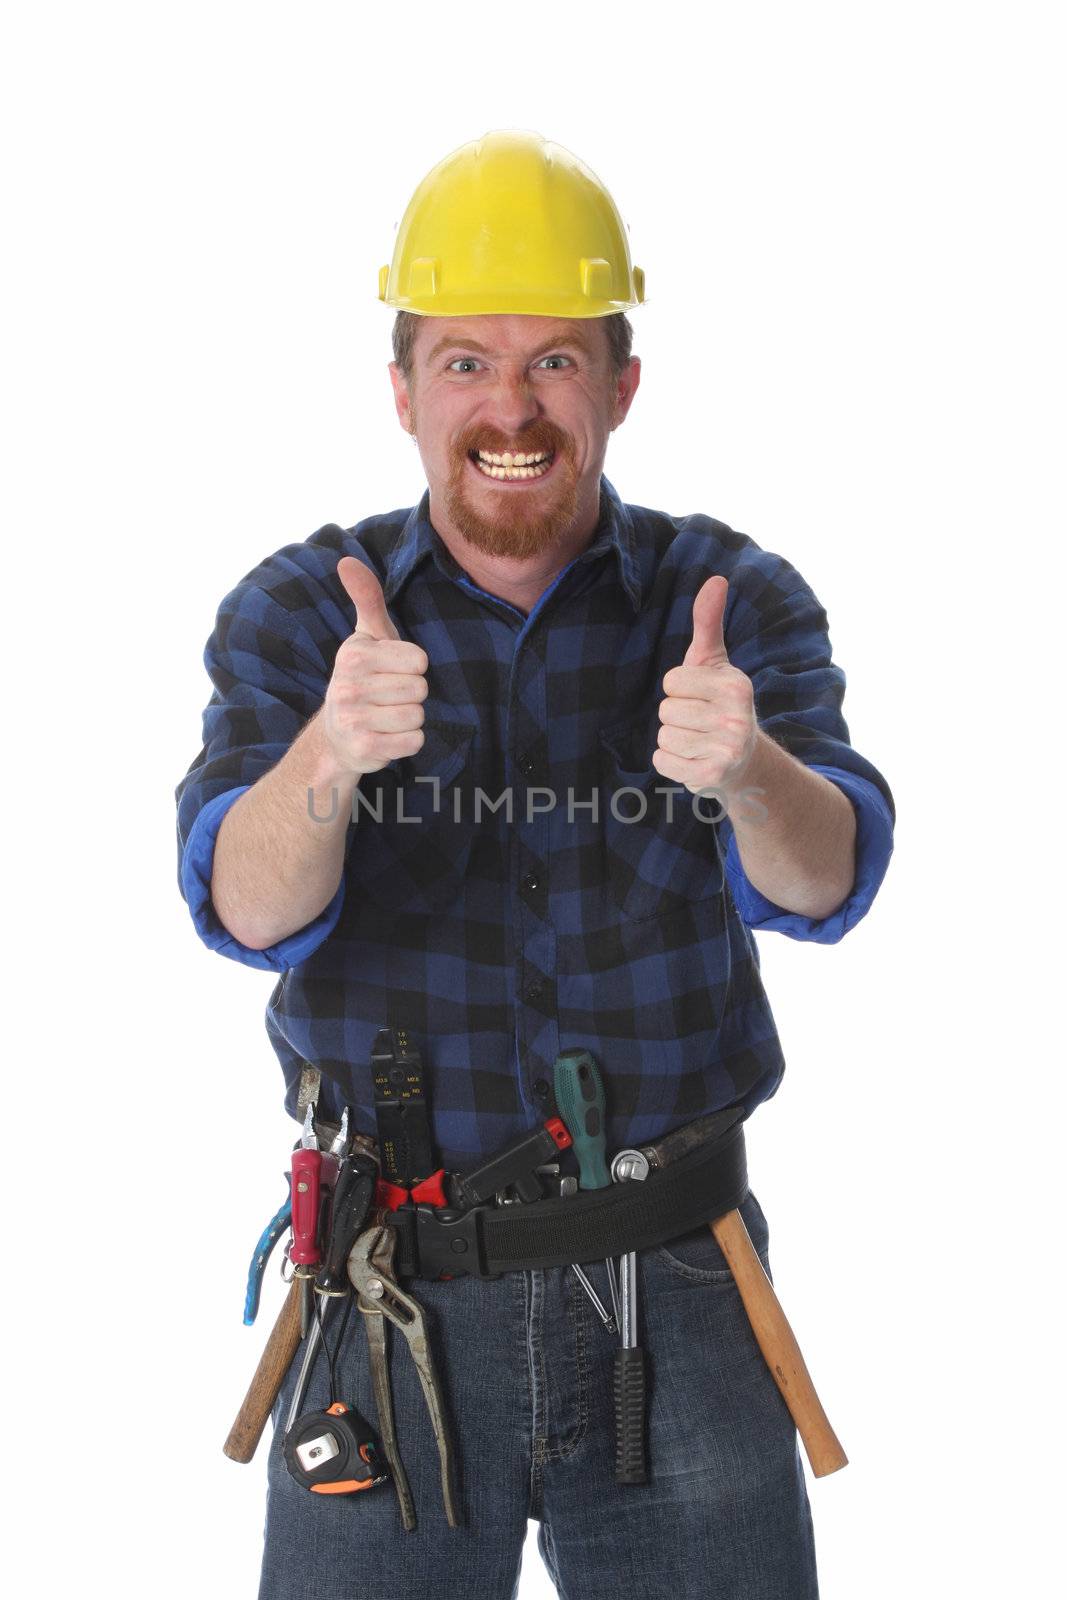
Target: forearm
<point>279,854</point>
<point>796,837</point>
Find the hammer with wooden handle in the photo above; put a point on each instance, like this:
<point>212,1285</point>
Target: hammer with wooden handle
<point>274,1363</point>
<point>778,1344</point>
<point>773,1334</point>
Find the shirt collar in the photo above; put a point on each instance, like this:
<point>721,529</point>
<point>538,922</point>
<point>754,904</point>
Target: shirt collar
<point>614,531</point>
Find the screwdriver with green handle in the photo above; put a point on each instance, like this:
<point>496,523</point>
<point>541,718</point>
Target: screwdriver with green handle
<point>581,1103</point>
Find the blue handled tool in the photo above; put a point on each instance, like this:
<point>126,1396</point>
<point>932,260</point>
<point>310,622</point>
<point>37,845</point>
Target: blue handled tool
<point>580,1098</point>
<point>583,1107</point>
<point>276,1227</point>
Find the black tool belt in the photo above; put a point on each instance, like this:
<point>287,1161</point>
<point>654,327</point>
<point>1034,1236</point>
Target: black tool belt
<point>692,1179</point>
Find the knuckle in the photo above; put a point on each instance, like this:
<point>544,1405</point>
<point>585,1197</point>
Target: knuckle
<point>403,656</point>
<point>351,662</point>
<point>402,718</point>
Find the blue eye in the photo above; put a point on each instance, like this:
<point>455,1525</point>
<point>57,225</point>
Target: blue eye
<point>567,359</point>
<point>462,361</point>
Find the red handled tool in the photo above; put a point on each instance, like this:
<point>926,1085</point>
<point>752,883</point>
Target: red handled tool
<point>306,1197</point>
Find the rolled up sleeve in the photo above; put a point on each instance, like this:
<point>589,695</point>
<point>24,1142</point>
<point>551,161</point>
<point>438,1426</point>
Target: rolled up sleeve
<point>874,846</point>
<point>777,633</point>
<point>194,871</point>
<point>269,680</point>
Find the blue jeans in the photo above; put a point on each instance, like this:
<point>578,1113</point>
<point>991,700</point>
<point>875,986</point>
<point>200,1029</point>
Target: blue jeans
<point>526,1367</point>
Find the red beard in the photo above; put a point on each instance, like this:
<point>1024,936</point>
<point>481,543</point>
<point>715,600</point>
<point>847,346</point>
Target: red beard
<point>525,523</point>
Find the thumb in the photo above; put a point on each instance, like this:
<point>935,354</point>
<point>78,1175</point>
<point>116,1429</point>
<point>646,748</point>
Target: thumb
<point>365,592</point>
<point>708,647</point>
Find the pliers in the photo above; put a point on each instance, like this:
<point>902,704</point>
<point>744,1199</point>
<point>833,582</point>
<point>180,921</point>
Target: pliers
<point>378,1296</point>
<point>317,1172</point>
<point>277,1226</point>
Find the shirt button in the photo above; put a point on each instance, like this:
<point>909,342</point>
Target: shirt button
<point>527,766</point>
<point>531,883</point>
<point>535,989</point>
<point>542,1089</point>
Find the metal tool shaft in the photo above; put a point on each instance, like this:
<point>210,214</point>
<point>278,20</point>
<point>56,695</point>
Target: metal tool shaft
<point>311,1348</point>
<point>628,1295</point>
<point>598,1305</point>
<point>613,1289</point>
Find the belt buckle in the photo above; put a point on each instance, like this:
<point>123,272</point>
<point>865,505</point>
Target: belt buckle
<point>449,1242</point>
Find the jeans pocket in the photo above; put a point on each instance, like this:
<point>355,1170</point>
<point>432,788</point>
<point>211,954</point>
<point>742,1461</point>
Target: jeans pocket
<point>696,1257</point>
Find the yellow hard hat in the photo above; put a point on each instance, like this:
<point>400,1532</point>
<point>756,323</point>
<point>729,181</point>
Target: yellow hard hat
<point>511,224</point>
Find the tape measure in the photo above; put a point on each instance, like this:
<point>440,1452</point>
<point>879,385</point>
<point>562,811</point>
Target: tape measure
<point>334,1452</point>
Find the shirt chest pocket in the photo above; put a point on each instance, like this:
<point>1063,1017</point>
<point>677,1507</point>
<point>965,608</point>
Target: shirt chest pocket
<point>660,853</point>
<point>409,842</point>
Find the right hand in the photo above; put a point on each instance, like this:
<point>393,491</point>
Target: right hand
<point>372,713</point>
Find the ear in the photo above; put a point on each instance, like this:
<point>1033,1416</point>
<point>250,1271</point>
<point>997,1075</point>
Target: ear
<point>625,389</point>
<point>401,397</point>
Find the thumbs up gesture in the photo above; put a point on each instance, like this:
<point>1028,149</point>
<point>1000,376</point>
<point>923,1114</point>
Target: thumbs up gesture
<point>708,728</point>
<point>372,713</point>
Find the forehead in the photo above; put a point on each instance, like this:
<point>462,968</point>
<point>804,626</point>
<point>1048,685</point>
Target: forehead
<point>507,336</point>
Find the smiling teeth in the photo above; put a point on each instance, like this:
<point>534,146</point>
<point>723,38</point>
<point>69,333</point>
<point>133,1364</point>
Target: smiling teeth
<point>509,460</point>
<point>509,466</point>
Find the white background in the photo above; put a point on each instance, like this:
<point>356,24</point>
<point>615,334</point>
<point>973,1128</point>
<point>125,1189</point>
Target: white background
<point>853,351</point>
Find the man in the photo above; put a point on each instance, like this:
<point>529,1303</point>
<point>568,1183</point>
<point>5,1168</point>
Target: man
<point>518,771</point>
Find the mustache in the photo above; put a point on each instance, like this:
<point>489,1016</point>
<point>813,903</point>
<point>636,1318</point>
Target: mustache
<point>538,436</point>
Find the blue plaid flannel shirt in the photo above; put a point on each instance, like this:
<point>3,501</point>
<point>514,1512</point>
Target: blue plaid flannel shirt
<point>606,911</point>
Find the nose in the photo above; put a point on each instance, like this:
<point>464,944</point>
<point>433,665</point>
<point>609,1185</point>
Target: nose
<point>514,404</point>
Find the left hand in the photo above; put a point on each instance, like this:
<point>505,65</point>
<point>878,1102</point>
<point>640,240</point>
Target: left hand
<point>708,728</point>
